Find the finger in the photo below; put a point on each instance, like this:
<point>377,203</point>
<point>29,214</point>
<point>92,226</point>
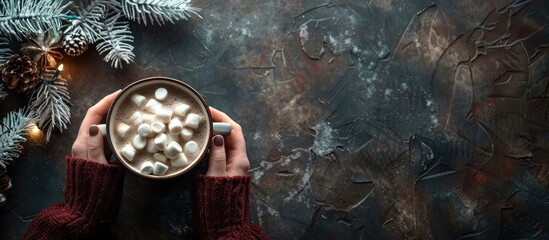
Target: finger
<point>236,139</point>
<point>95,150</point>
<point>96,113</point>
<point>219,116</point>
<point>79,150</point>
<point>217,165</point>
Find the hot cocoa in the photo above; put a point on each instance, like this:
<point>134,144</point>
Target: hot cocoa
<point>159,127</point>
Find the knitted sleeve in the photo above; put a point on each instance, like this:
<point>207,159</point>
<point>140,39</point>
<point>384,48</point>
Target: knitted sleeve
<point>222,208</point>
<point>92,198</point>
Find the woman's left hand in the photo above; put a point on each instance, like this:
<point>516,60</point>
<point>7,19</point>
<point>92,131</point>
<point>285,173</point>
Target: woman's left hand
<point>89,142</point>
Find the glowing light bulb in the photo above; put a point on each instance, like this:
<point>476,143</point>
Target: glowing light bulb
<point>34,130</point>
<point>56,74</point>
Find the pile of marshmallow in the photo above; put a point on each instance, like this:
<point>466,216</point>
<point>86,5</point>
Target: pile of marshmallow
<point>158,132</point>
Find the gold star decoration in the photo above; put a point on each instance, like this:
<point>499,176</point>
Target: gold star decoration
<point>44,48</point>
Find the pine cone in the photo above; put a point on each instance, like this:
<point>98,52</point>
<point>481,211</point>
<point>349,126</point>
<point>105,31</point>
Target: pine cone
<point>20,73</point>
<point>74,44</point>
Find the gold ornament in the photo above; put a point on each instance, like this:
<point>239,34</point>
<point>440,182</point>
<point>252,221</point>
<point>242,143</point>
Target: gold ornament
<point>44,49</point>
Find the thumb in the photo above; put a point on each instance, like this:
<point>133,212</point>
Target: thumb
<point>217,165</point>
<point>95,145</point>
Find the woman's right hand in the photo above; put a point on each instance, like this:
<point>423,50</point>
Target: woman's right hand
<point>228,156</point>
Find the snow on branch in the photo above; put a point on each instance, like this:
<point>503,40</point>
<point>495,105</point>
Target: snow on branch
<point>158,11</point>
<point>89,18</point>
<point>116,39</point>
<point>5,52</point>
<point>13,130</point>
<point>51,103</point>
<point>2,93</point>
<point>21,18</point>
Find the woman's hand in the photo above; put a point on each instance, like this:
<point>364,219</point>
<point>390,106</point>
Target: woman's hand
<point>89,142</point>
<point>228,156</point>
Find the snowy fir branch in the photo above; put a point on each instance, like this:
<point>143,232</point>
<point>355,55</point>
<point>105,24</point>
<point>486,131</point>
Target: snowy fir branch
<point>21,18</point>
<point>13,130</point>
<point>89,18</point>
<point>158,11</point>
<point>2,93</point>
<point>116,39</point>
<point>5,52</point>
<point>51,103</point>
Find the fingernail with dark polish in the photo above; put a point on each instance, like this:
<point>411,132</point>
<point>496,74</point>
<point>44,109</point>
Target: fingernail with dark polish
<point>93,130</point>
<point>218,140</point>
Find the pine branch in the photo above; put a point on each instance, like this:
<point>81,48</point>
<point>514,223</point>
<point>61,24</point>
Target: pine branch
<point>51,103</point>
<point>2,93</point>
<point>13,130</point>
<point>21,18</point>
<point>158,11</point>
<point>5,52</point>
<point>89,18</point>
<point>116,39</point>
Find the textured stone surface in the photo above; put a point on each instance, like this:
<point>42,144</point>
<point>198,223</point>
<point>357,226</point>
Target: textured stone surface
<point>379,119</point>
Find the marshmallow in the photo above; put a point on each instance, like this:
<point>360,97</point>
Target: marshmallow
<point>151,148</point>
<point>139,142</point>
<point>159,157</point>
<point>180,160</point>
<point>192,121</point>
<point>172,150</point>
<point>128,152</point>
<point>161,94</point>
<point>146,167</point>
<point>152,106</point>
<point>122,129</point>
<point>187,134</point>
<point>191,147</point>
<point>163,115</point>
<point>144,130</point>
<point>181,109</point>
<point>160,141</point>
<point>136,118</point>
<point>175,126</point>
<point>159,168</point>
<point>172,138</point>
<point>138,100</point>
<point>158,127</point>
<point>148,118</point>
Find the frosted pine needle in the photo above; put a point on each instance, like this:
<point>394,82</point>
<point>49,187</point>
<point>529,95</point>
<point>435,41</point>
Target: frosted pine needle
<point>116,40</point>
<point>13,130</point>
<point>22,18</point>
<point>89,19</point>
<point>51,102</point>
<point>5,52</point>
<point>2,93</point>
<point>158,11</point>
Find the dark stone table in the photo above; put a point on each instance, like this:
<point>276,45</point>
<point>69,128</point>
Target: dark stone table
<point>379,119</point>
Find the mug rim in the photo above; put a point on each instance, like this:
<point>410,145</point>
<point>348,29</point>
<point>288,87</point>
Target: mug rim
<point>150,176</point>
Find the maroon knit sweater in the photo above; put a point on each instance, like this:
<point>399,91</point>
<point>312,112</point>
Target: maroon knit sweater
<point>92,199</point>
